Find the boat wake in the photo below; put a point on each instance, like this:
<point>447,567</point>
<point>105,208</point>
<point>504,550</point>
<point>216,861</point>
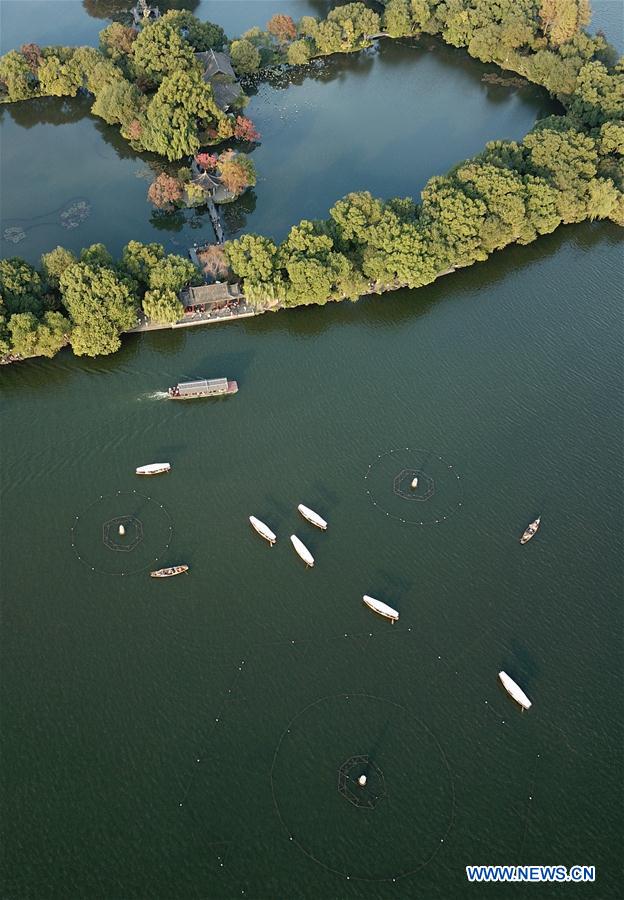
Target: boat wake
<point>156,395</point>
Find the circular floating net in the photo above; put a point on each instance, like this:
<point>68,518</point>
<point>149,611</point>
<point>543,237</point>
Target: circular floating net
<point>122,533</point>
<point>385,829</point>
<point>413,486</point>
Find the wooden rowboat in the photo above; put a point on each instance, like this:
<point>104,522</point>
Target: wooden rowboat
<point>169,572</point>
<point>153,469</point>
<point>302,550</point>
<point>263,530</point>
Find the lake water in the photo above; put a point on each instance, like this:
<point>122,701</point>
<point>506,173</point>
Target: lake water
<point>185,738</point>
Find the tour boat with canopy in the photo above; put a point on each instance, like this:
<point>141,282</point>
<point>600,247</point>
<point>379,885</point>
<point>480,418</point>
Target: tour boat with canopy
<point>263,530</point>
<point>302,550</point>
<point>382,608</point>
<point>312,517</point>
<point>206,387</point>
<point>514,690</point>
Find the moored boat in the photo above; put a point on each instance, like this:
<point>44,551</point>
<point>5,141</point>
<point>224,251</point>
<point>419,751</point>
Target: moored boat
<point>414,484</point>
<point>168,572</point>
<point>302,550</point>
<point>206,387</point>
<point>382,608</point>
<point>153,469</point>
<point>514,690</point>
<point>312,517</point>
<point>530,531</point>
<point>263,530</point>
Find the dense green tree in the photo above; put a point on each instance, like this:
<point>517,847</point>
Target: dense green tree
<point>31,336</point>
<point>172,273</point>
<point>356,22</point>
<point>182,99</point>
<point>612,138</point>
<point>59,77</point>
<point>245,57</point>
<point>353,216</point>
<point>200,35</point>
<point>163,306</point>
<point>17,77</point>
<point>54,263</point>
<point>598,96</point>
<point>397,18</point>
<point>252,256</point>
<point>454,221</point>
<point>100,305</point>
<point>160,50</point>
<point>118,102</point>
<point>139,259</point>
<point>20,286</point>
<point>96,255</point>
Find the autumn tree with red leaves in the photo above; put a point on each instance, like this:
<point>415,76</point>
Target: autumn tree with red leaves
<point>245,130</point>
<point>33,56</point>
<point>207,161</point>
<point>164,191</point>
<point>282,27</point>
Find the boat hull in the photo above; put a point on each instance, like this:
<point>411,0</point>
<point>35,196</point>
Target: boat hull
<point>382,608</point>
<point>153,469</point>
<point>514,690</point>
<point>169,572</point>
<point>530,532</point>
<point>312,517</point>
<point>302,550</point>
<point>263,530</point>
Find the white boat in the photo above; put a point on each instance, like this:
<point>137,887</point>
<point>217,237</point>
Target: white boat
<point>263,530</point>
<point>414,483</point>
<point>302,550</point>
<point>382,608</point>
<point>153,469</point>
<point>313,517</point>
<point>169,572</point>
<point>530,530</point>
<point>514,690</point>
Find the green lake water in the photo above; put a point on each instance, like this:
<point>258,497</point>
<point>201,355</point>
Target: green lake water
<point>167,739</point>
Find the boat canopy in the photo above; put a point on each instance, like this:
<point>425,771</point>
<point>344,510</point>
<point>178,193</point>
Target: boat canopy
<point>206,385</point>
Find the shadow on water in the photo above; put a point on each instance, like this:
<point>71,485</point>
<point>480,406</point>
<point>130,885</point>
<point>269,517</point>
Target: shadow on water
<point>120,9</point>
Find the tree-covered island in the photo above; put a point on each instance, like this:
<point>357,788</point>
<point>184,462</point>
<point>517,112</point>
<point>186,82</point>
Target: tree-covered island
<point>569,168</point>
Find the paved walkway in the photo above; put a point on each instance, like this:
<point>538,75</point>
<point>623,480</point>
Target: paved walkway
<point>208,318</point>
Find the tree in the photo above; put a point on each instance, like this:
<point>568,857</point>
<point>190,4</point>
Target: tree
<point>245,57</point>
<point>236,171</point>
<point>100,305</point>
<point>118,101</point>
<point>164,192</point>
<point>214,262</point>
<point>282,27</point>
<point>172,273</point>
<point>59,78</point>
<point>252,256</point>
<point>353,216</point>
<point>194,194</point>
<point>563,18</point>
<point>33,337</point>
<point>182,99</point>
<point>397,18</point>
<point>96,256</point>
<point>17,77</point>
<point>20,286</point>
<point>163,306</point>
<point>33,56</point>
<point>200,35</point>
<point>160,50</point>
<point>356,22</point>
<point>207,161</point>
<point>54,263</point>
<point>245,130</point>
<point>116,41</point>
<point>139,259</point>
<point>299,53</point>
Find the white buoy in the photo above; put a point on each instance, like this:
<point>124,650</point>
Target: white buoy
<point>122,530</point>
<point>414,483</point>
<point>362,780</point>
